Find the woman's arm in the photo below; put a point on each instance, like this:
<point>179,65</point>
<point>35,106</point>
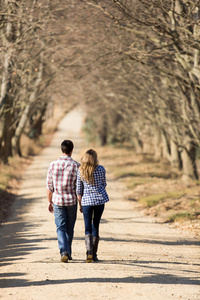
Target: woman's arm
<point>104,177</point>
<point>79,190</point>
<point>79,201</point>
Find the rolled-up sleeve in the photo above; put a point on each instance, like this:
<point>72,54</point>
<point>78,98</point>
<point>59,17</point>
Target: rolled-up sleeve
<point>49,180</point>
<point>104,177</point>
<point>79,185</point>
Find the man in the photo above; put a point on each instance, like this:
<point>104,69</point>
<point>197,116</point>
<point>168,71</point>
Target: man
<point>62,199</point>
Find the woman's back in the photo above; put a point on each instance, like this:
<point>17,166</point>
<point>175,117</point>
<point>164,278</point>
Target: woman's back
<point>93,193</point>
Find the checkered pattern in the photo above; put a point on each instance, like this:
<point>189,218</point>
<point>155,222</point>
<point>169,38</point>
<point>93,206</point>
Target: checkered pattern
<point>93,194</point>
<point>61,181</point>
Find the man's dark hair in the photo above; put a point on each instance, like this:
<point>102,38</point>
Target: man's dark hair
<point>67,146</point>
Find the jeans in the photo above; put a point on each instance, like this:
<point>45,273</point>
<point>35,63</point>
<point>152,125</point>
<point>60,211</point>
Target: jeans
<point>92,216</point>
<point>65,218</point>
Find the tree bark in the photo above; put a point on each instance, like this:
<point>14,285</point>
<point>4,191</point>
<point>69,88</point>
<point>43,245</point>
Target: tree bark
<point>7,134</point>
<point>158,153</point>
<point>138,144</point>
<point>175,157</point>
<point>166,146</point>
<point>189,162</point>
<point>5,101</point>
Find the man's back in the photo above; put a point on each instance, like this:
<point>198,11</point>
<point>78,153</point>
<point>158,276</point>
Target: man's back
<point>61,180</point>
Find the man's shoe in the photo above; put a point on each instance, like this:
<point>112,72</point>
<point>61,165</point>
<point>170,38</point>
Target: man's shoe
<point>89,258</point>
<point>64,257</point>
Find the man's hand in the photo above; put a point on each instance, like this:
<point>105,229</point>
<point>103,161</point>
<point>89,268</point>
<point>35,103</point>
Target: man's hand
<point>50,203</point>
<point>50,207</point>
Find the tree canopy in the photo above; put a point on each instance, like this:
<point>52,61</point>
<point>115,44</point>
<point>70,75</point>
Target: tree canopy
<point>134,65</point>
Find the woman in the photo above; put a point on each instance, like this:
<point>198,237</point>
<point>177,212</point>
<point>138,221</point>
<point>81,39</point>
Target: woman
<point>92,196</point>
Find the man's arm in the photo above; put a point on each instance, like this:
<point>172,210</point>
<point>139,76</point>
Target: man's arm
<point>50,189</point>
<point>50,203</point>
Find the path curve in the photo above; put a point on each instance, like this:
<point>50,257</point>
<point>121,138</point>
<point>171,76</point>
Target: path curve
<point>139,259</point>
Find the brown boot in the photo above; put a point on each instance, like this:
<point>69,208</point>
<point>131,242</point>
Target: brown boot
<point>89,246</point>
<point>95,247</point>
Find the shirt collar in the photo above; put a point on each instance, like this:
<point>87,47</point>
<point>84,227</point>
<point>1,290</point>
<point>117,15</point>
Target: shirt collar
<point>65,157</point>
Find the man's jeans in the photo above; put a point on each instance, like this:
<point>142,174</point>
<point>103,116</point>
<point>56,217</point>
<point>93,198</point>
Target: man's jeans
<point>65,218</point>
<point>92,216</point>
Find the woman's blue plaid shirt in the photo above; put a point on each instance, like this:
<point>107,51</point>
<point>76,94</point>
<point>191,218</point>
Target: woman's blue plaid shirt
<point>93,194</point>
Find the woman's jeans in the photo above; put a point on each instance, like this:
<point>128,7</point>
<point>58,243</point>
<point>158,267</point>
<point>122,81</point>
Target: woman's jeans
<point>65,218</point>
<point>92,216</point>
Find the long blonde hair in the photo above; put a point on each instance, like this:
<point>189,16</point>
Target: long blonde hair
<point>89,162</point>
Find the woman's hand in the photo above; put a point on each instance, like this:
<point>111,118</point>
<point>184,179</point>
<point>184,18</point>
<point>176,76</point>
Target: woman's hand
<point>79,201</point>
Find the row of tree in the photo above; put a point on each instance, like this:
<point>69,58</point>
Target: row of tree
<point>149,78</point>
<point>24,70</point>
<point>134,64</point>
<point>30,70</point>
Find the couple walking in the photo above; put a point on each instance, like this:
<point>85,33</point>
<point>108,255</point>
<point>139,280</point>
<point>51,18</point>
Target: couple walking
<point>68,182</point>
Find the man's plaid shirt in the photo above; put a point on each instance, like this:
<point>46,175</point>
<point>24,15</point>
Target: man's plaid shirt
<point>61,180</point>
<point>93,194</point>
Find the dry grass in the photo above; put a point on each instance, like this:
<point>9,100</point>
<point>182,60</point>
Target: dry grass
<point>155,186</point>
<point>10,181</point>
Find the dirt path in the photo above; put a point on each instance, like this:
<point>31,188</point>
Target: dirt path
<point>139,259</point>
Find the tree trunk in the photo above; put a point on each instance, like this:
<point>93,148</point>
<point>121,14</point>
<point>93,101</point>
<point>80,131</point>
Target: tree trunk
<point>138,144</point>
<point>189,162</point>
<point>103,133</point>
<point>6,33</point>
<point>6,99</point>
<point>19,130</point>
<point>36,127</point>
<point>157,145</point>
<point>166,147</point>
<point>25,114</point>
<point>175,156</point>
<point>7,134</point>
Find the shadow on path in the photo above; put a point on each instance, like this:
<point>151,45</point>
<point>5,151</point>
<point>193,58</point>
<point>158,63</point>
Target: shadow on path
<point>154,278</point>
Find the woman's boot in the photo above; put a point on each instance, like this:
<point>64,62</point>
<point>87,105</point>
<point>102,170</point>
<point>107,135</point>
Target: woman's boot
<point>89,247</point>
<point>95,247</point>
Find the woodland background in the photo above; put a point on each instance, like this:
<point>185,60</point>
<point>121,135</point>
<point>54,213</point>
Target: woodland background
<point>133,66</point>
